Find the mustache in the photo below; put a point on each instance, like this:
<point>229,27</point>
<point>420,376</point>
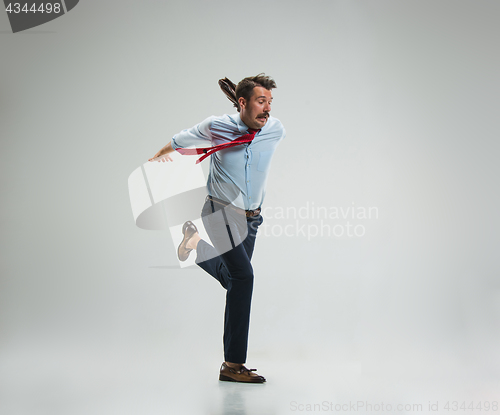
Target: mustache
<point>265,114</point>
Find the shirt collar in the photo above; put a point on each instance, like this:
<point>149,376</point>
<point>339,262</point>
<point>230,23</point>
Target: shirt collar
<point>242,127</point>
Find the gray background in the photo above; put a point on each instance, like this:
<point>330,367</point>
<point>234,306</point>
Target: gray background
<point>386,103</point>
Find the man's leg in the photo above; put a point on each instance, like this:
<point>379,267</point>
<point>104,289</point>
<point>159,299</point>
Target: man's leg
<point>215,265</point>
<point>235,273</point>
<point>239,295</point>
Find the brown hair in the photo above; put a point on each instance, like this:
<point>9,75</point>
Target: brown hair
<point>245,87</point>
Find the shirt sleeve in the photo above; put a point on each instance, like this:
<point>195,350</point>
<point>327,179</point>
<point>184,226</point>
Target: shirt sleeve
<point>199,136</point>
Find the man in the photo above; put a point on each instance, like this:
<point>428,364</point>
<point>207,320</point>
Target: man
<point>242,145</point>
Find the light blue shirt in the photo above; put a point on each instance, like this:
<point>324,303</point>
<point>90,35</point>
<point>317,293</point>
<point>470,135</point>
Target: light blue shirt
<point>237,174</point>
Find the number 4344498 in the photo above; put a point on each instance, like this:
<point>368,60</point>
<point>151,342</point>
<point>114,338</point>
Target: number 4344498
<point>471,406</point>
<point>42,8</point>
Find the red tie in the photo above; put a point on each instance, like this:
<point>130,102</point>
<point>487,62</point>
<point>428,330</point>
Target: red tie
<point>207,151</point>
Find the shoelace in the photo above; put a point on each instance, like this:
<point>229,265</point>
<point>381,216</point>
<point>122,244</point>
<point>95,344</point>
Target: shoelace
<point>243,369</point>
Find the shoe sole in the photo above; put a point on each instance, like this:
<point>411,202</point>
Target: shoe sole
<point>228,379</point>
<point>184,257</point>
<point>184,242</point>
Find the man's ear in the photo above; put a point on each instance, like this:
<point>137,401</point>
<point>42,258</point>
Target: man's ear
<point>242,102</point>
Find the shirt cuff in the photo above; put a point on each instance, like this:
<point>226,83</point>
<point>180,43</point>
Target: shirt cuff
<point>175,146</point>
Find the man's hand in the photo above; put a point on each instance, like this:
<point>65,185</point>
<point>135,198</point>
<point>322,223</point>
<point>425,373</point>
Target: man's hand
<point>162,158</point>
<point>164,154</point>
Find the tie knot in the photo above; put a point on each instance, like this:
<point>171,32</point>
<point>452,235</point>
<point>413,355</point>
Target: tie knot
<point>252,131</point>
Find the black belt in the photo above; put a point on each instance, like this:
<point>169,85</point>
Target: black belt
<point>248,213</point>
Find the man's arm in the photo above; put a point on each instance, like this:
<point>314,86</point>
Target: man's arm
<point>199,135</point>
<point>164,154</point>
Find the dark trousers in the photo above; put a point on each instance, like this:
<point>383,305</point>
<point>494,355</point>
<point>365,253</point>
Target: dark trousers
<point>229,263</point>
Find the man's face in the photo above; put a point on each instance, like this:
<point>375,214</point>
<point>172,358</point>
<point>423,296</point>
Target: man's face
<point>255,112</point>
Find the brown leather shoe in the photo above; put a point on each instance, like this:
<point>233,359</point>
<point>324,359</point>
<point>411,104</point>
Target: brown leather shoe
<point>243,375</point>
<point>188,230</point>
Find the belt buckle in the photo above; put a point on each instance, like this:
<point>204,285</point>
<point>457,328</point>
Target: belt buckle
<point>252,213</point>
